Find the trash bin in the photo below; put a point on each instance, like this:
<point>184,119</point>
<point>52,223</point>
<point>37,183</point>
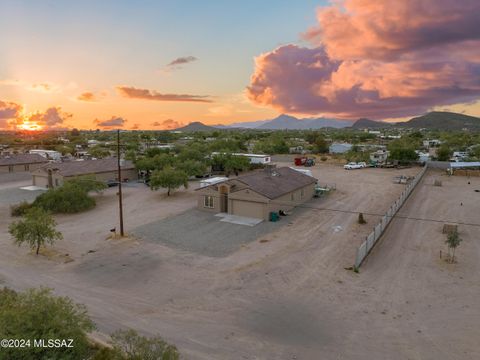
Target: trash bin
<point>274,216</point>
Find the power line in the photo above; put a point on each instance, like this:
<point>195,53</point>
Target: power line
<point>345,211</point>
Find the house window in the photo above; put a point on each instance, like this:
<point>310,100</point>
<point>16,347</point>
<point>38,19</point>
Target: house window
<point>10,168</point>
<point>208,201</point>
<point>302,193</point>
<point>292,196</point>
<point>27,167</point>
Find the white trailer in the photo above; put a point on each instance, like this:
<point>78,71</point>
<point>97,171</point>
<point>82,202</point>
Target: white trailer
<point>254,158</point>
<point>47,154</point>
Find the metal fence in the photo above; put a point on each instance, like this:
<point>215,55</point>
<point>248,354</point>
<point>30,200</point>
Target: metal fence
<point>365,248</point>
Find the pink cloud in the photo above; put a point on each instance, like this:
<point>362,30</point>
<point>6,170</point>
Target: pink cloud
<point>376,59</point>
<point>113,122</point>
<point>9,110</point>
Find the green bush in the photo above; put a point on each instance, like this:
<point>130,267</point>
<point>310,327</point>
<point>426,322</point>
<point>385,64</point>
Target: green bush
<point>69,198</point>
<point>20,209</point>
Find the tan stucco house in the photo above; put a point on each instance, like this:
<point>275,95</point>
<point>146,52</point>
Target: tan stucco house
<point>54,174</point>
<point>21,162</point>
<point>257,194</point>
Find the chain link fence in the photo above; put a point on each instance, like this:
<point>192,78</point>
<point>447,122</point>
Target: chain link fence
<point>365,248</point>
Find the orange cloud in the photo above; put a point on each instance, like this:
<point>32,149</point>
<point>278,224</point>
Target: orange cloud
<point>168,124</point>
<point>134,93</point>
<point>378,59</point>
<point>87,96</point>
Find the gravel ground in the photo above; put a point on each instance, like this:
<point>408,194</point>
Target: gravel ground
<point>15,196</point>
<point>203,233</point>
<point>15,176</point>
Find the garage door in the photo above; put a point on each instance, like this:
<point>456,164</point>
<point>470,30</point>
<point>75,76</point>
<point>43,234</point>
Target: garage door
<point>248,209</point>
<point>41,181</point>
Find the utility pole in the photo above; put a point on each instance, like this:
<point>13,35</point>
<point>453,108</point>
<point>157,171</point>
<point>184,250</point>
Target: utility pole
<point>120,206</point>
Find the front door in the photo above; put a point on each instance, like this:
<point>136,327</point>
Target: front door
<point>224,199</point>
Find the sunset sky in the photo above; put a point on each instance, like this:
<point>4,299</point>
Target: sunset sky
<point>161,64</point>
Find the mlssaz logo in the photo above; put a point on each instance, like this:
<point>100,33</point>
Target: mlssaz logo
<point>53,343</point>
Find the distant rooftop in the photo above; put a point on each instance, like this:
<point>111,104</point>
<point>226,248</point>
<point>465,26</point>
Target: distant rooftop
<point>86,167</point>
<point>20,159</point>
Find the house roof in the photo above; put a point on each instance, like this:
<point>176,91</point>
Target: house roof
<point>86,167</point>
<point>279,182</point>
<point>19,159</point>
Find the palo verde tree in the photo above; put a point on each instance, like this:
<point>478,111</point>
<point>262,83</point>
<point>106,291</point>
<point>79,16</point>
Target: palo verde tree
<point>453,240</point>
<point>37,228</point>
<point>168,178</point>
<point>38,314</point>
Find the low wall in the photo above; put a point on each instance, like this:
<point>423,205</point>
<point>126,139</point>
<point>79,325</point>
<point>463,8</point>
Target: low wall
<point>365,248</point>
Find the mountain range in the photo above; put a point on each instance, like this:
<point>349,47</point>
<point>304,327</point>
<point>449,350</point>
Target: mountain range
<point>441,120</point>
<point>287,122</point>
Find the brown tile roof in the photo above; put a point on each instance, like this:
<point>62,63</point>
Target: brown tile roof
<point>86,167</point>
<point>282,181</point>
<point>20,159</point>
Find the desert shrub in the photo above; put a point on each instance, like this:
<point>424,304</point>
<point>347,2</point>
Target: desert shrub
<point>324,158</point>
<point>361,219</point>
<point>69,198</point>
<point>20,209</point>
<point>129,345</point>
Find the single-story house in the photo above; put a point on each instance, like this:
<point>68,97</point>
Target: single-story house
<point>257,194</point>
<point>54,174</point>
<point>21,162</point>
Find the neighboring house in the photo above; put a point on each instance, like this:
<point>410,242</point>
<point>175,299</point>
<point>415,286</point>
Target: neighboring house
<point>340,148</point>
<point>459,156</point>
<point>257,194</point>
<point>54,174</point>
<point>21,162</point>
<point>379,156</point>
<point>431,143</point>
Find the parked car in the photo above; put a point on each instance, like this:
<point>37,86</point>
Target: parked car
<point>112,183</point>
<point>353,166</point>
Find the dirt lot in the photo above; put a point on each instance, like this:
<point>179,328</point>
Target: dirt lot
<point>286,295</point>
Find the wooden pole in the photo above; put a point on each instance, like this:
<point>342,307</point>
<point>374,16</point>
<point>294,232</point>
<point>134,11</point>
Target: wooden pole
<point>120,205</point>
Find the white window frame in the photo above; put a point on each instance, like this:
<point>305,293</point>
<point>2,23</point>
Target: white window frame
<point>208,202</point>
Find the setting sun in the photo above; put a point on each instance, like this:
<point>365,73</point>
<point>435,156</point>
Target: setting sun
<point>30,126</point>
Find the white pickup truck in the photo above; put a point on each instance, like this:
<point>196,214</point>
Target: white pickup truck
<point>354,165</point>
